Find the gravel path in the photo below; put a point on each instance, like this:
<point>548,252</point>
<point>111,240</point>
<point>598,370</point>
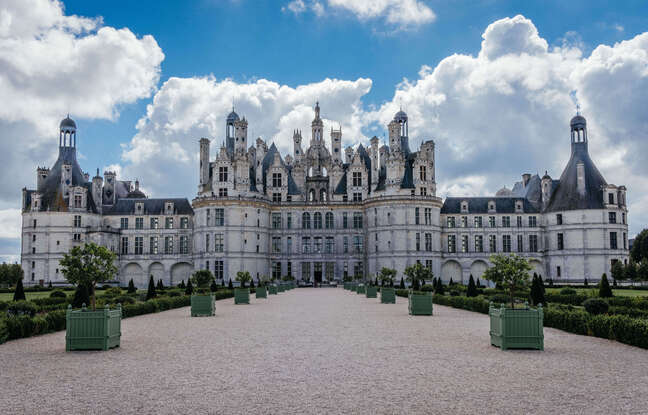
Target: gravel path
<point>321,351</point>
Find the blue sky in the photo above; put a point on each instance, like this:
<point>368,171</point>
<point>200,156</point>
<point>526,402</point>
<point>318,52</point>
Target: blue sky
<point>492,82</point>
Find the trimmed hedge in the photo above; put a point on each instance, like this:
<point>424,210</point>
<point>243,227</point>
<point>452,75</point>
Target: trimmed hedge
<point>630,302</point>
<point>571,299</point>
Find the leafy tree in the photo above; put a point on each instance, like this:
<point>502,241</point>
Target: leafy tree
<point>81,296</point>
<point>618,273</point>
<point>89,264</point>
<point>213,287</point>
<point>402,284</point>
<point>631,272</point>
<point>417,273</point>
<point>472,290</point>
<point>604,287</point>
<point>189,290</point>
<point>639,251</point>
<point>150,293</point>
<point>19,292</point>
<point>202,278</point>
<point>131,287</point>
<point>10,274</point>
<point>387,276</point>
<point>243,277</point>
<point>643,270</point>
<point>510,272</point>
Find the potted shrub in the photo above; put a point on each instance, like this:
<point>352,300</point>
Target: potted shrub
<point>511,327</point>
<point>272,287</point>
<point>203,302</point>
<point>359,284</point>
<point>261,290</point>
<point>93,329</point>
<point>371,290</point>
<point>419,301</point>
<point>387,291</point>
<point>242,293</point>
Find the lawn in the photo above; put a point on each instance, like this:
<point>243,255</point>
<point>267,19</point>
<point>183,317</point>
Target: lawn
<point>38,294</point>
<point>618,293</point>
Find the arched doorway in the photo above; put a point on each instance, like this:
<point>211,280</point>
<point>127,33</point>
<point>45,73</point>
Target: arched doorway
<point>451,269</point>
<point>135,272</point>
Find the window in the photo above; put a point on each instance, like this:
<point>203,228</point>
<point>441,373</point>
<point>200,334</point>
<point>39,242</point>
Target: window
<point>422,173</point>
<point>558,273</point>
<point>519,221</point>
<point>289,268</point>
<point>330,245</point>
<point>276,220</point>
<point>124,245</point>
<point>464,243</point>
<point>329,270</point>
<point>76,237</point>
<point>345,198</point>
<point>139,223</point>
<point>153,245</point>
<point>329,220</point>
<point>428,264</point>
<point>289,244</point>
<point>219,245</point>
<point>317,244</point>
<point>168,245</point>
<point>428,216</point>
<point>479,243</point>
<point>345,220</point>
<point>139,245</point>
<point>520,243</point>
<point>276,197</point>
<point>77,201</point>
<point>559,219</point>
<point>533,243</point>
<point>207,238</point>
<point>208,217</point>
<point>219,217</point>
<point>492,243</point>
<point>276,245</point>
<point>222,174</point>
<point>305,245</point>
<point>357,220</point>
<point>155,224</point>
<point>533,222</point>
<point>184,223</point>
<point>306,271</point>
<point>418,241</point>
<point>428,242</point>
<point>276,179</point>
<point>288,198</point>
<point>417,219</point>
<point>288,220</point>
<point>452,243</point>
<point>184,244</point>
<point>206,265</point>
<point>561,242</point>
<point>346,269</point>
<point>168,223</point>
<point>222,192</point>
<point>491,221</point>
<point>506,243</point>
<point>451,222</point>
<point>358,269</point>
<point>357,197</point>
<point>613,240</point>
<point>611,198</point>
<point>506,221</point>
<point>124,223</point>
<point>357,179</point>
<point>345,245</point>
<point>77,221</point>
<point>423,191</point>
<point>276,269</point>
<point>34,223</point>
<point>623,219</point>
<point>317,220</point>
<point>464,221</point>
<point>612,217</point>
<point>306,220</point>
<point>478,222</point>
<point>219,270</point>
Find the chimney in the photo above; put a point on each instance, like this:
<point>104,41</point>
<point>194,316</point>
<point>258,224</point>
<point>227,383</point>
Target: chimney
<point>525,179</point>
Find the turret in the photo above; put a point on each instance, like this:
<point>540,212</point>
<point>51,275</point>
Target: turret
<point>230,129</point>
<point>204,164</point>
<point>336,145</point>
<point>41,175</point>
<point>97,189</point>
<point>394,137</point>
<point>349,154</point>
<point>297,138</point>
<point>109,188</point>
<point>546,189</point>
<point>317,127</point>
<point>374,161</point>
<point>240,135</point>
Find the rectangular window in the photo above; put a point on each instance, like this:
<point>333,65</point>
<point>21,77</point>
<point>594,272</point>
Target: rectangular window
<point>124,245</point>
<point>219,270</point>
<point>357,220</point>
<point>422,173</point>
<point>222,192</point>
<point>155,224</point>
<point>305,271</point>
<point>358,244</point>
<point>491,221</point>
<point>612,217</point>
<point>418,241</point>
<point>492,243</point>
<point>478,222</point>
<point>276,245</point>
<point>559,219</point>
<point>428,264</point>
<point>357,179</point>
<point>479,243</point>
<point>345,220</point>
<point>520,243</point>
<point>451,222</point>
<point>305,245</point>
<point>357,197</point>
<point>611,198</point>
<point>276,269</point>
<point>207,239</point>
<point>219,245</point>
<point>506,221</point>
<point>423,191</point>
<point>519,221</point>
<point>77,201</point>
<point>358,269</point>
<point>289,244</point>
<point>625,241</point>
<point>34,223</point>
<point>153,245</point>
<point>317,220</point>
<point>184,223</point>
<point>276,179</point>
<point>464,221</point>
<point>139,223</point>
<point>222,174</point>
<point>452,243</point>
<point>561,242</point>
<point>464,243</point>
<point>184,244</point>
<point>428,242</point>
<point>613,240</point>
<point>77,221</point>
<point>428,216</point>
<point>417,219</point>
<point>219,217</point>
<point>345,245</point>
<point>330,245</point>
<point>329,271</point>
<point>288,220</point>
<point>168,245</point>
<point>289,268</point>
<point>168,223</point>
<point>558,273</point>
<point>139,245</point>
<point>276,221</point>
<point>623,219</point>
<point>317,244</point>
<point>532,222</point>
<point>329,220</point>
<point>533,243</point>
<point>276,197</point>
<point>124,223</point>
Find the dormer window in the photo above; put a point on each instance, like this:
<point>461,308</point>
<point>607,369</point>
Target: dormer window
<point>518,206</point>
<point>168,208</point>
<point>139,207</point>
<point>491,206</point>
<point>222,174</point>
<point>464,207</point>
<point>611,198</point>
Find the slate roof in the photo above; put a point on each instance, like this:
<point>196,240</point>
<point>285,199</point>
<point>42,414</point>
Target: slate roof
<point>267,162</point>
<point>480,205</point>
<point>151,207</point>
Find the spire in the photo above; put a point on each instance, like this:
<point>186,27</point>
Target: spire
<point>317,110</point>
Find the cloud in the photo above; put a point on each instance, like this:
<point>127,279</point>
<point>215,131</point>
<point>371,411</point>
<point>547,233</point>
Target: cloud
<point>295,6</point>
<point>51,64</point>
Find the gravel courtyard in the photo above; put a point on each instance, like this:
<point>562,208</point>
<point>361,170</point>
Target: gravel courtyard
<point>320,351</point>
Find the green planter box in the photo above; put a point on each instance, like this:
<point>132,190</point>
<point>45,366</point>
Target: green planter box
<point>387,295</point>
<point>372,291</point>
<point>520,328</point>
<point>203,305</point>
<point>346,286</point>
<point>360,289</point>
<point>420,304</point>
<point>272,289</point>
<point>92,330</point>
<point>281,288</point>
<point>261,292</point>
<point>241,296</point>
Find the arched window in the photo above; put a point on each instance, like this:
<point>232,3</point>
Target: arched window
<point>324,171</point>
<point>329,220</point>
<point>322,195</point>
<point>311,195</point>
<point>317,222</point>
<point>306,220</point>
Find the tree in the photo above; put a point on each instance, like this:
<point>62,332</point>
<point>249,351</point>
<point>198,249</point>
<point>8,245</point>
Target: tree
<point>439,289</point>
<point>604,287</point>
<point>81,296</point>
<point>189,290</point>
<point>89,264</point>
<point>131,287</point>
<point>510,272</point>
<point>150,293</point>
<point>639,251</point>
<point>386,276</point>
<point>243,277</point>
<point>451,283</point>
<point>472,290</point>
<point>618,271</point>
<point>631,272</point>
<point>49,285</point>
<point>417,273</point>
<point>202,278</point>
<point>643,270</point>
<point>537,291</point>
<point>10,274</point>
<point>19,292</point>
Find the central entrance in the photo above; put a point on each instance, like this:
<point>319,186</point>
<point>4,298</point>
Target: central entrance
<point>318,273</point>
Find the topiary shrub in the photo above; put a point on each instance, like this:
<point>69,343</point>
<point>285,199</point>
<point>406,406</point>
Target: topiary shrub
<point>22,308</point>
<point>596,306</point>
<point>427,288</point>
<point>19,293</point>
<point>500,299</point>
<point>112,292</point>
<point>123,299</point>
<point>567,291</point>
<point>150,293</point>
<point>131,287</point>
<point>454,293</point>
<point>189,290</point>
<point>213,287</point>
<point>57,294</point>
<point>604,287</point>
<point>472,289</point>
<point>4,331</point>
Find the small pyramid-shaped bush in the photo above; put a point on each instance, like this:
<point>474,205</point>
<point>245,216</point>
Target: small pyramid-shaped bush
<point>182,284</point>
<point>131,287</point>
<point>213,287</point>
<point>604,287</point>
<point>160,285</point>
<point>402,283</point>
<point>230,285</point>
<point>150,293</point>
<point>252,283</point>
<point>19,293</point>
<point>472,289</point>
<point>189,289</point>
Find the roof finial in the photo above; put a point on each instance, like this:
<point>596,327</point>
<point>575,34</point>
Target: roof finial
<point>577,108</point>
